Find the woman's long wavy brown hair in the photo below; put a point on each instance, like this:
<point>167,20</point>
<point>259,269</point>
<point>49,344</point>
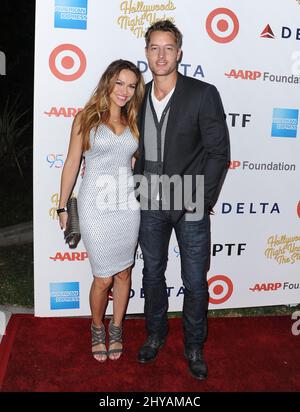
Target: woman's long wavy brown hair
<point>97,109</point>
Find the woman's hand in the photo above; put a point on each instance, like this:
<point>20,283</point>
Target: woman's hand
<point>63,220</point>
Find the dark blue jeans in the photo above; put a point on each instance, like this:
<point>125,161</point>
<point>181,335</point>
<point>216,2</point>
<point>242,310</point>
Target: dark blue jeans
<point>194,244</point>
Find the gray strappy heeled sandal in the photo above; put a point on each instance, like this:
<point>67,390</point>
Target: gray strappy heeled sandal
<point>98,337</point>
<point>115,336</point>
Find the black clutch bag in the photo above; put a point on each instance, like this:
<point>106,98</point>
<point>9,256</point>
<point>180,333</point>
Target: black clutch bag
<point>72,233</point>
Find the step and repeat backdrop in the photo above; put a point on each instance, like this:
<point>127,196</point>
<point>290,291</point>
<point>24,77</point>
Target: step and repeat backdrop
<point>251,52</point>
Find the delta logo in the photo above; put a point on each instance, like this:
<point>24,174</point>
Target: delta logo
<point>63,111</point>
<point>241,74</point>
<point>69,256</point>
<point>286,33</point>
<point>258,208</point>
<point>267,33</point>
<point>273,287</point>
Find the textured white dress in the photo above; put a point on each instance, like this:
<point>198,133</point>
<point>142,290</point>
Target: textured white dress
<point>109,213</point>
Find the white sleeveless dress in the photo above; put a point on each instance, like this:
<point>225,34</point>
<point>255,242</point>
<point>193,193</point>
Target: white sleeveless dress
<point>109,213</point>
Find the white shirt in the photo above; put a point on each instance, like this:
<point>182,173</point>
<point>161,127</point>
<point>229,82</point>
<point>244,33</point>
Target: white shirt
<point>159,105</point>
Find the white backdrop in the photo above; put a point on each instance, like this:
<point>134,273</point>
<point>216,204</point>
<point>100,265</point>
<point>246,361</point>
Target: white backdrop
<point>255,229</point>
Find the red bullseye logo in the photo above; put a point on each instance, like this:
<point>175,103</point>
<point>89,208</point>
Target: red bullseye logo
<point>298,209</point>
<point>222,25</point>
<point>67,62</point>
<point>220,289</point>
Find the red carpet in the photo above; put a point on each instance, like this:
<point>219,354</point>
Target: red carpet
<point>243,354</point>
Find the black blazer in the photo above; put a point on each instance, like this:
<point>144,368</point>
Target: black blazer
<point>197,140</point>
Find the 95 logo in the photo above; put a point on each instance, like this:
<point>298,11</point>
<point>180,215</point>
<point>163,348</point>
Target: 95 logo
<point>55,160</point>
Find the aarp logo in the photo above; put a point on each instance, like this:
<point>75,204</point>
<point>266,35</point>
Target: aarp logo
<point>222,25</point>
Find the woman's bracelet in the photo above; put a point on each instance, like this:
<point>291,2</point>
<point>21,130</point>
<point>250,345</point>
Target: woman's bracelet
<point>61,210</point>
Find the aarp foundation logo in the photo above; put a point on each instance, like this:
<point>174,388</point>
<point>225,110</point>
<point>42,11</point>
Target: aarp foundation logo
<point>67,62</point>
<point>138,16</point>
<point>220,289</point>
<point>222,25</point>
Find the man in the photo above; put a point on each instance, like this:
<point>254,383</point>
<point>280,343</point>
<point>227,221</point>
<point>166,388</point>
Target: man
<point>182,133</point>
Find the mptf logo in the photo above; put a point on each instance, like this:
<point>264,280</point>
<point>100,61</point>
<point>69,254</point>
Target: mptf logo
<point>220,289</point>
<point>285,123</point>
<point>67,62</point>
<point>70,14</point>
<point>239,119</point>
<point>222,25</point>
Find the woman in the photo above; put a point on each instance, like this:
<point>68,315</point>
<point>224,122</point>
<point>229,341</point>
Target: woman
<point>105,132</point>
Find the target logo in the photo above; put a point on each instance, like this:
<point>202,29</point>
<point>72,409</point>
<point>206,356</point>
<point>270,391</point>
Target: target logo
<point>220,289</point>
<point>67,62</point>
<point>298,209</point>
<point>222,25</point>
